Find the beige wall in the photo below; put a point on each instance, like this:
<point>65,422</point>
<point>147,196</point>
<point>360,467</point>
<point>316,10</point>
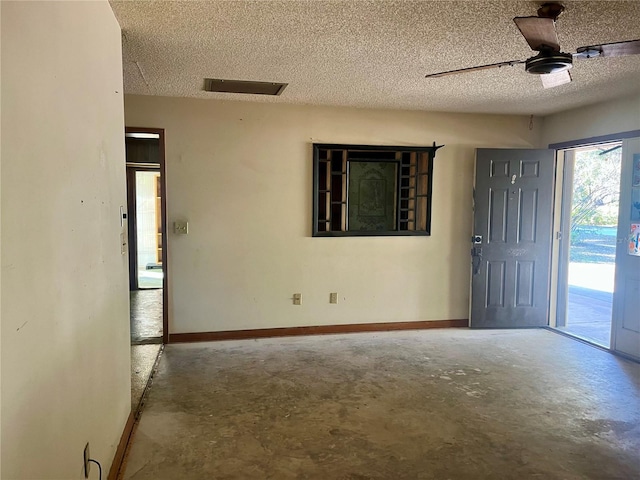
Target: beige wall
<point>621,115</point>
<point>0,245</point>
<point>240,173</point>
<point>65,346</point>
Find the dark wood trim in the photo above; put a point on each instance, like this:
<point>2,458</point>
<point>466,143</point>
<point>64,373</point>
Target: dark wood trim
<point>165,230</point>
<point>594,140</point>
<point>387,148</point>
<point>122,447</point>
<point>132,229</point>
<point>315,330</point>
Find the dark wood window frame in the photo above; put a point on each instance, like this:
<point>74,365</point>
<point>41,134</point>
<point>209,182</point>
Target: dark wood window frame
<point>411,169</point>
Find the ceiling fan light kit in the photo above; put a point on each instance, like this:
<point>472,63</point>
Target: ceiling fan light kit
<point>540,33</point>
<point>549,62</point>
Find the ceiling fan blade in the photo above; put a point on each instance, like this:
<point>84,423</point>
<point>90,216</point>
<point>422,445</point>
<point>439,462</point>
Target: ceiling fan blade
<point>616,49</point>
<point>551,80</point>
<point>510,63</point>
<point>539,32</point>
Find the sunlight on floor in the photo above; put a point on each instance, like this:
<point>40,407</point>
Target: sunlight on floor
<point>594,276</point>
<point>590,301</point>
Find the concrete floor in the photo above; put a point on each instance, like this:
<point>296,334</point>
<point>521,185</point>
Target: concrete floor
<point>145,317</point>
<point>143,358</point>
<point>146,338</point>
<point>433,404</point>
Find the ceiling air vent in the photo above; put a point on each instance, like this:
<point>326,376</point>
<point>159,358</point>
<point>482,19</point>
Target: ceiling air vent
<point>239,86</point>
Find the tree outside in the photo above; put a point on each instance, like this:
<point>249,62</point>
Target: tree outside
<point>594,209</point>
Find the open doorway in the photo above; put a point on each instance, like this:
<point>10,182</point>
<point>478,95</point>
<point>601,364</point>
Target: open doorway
<point>145,218</point>
<point>590,208</point>
<point>146,222</point>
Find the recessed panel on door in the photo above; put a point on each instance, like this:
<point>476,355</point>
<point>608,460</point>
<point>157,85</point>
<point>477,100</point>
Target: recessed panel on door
<point>529,169</point>
<point>525,274</point>
<point>498,205</point>
<point>527,215</point>
<point>499,169</point>
<point>495,284</point>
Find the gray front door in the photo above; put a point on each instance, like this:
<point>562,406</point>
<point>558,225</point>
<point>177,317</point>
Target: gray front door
<point>513,223</point>
<point>625,331</point>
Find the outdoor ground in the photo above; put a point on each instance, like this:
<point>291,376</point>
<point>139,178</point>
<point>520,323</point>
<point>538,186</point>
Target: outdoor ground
<point>591,244</point>
<point>591,277</point>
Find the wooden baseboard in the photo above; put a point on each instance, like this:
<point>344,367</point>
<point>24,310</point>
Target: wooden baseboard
<point>122,447</point>
<point>316,330</point>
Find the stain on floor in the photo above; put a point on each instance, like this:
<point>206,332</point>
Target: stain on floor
<point>433,404</point>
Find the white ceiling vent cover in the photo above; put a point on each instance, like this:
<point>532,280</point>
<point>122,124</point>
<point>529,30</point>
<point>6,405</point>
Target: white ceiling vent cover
<point>240,86</point>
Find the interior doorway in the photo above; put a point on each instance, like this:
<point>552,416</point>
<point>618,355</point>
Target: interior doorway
<point>589,226</point>
<point>146,235</point>
<point>146,221</point>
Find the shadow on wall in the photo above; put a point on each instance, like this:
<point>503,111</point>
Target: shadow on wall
<point>463,169</point>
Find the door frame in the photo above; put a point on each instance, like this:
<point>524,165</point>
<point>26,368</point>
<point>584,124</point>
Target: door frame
<point>132,234</point>
<point>163,219</point>
<point>556,293</point>
<point>560,265</point>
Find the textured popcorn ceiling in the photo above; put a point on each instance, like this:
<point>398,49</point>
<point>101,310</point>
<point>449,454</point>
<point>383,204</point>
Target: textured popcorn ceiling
<point>372,53</point>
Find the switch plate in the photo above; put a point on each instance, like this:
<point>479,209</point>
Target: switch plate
<point>297,299</point>
<point>181,227</point>
<point>333,297</point>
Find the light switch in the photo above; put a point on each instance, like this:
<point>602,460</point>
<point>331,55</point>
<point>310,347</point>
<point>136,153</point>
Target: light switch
<point>333,297</point>
<point>181,227</point>
<point>297,299</point>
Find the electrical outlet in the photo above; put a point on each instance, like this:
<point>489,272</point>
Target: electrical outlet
<point>333,297</point>
<point>297,299</point>
<point>87,464</point>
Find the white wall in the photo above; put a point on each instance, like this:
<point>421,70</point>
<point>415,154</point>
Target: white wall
<point>241,174</point>
<point>621,115</point>
<point>65,327</point>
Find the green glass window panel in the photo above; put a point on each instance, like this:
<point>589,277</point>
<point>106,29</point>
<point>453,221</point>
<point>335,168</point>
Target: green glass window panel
<point>372,196</point>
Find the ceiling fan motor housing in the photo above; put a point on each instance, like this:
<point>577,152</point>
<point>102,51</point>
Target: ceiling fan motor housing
<point>549,62</point>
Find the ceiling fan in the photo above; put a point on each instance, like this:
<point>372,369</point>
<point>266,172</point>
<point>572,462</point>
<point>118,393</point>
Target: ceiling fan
<point>550,63</point>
